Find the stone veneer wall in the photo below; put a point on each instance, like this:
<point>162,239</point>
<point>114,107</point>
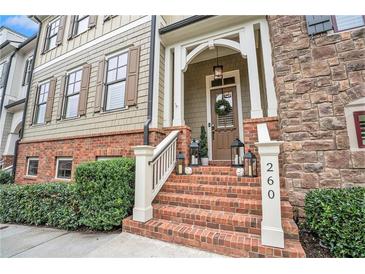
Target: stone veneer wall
<point>315,77</point>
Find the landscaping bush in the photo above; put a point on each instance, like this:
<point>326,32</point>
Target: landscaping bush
<point>337,217</point>
<point>5,178</point>
<point>52,204</point>
<point>106,192</point>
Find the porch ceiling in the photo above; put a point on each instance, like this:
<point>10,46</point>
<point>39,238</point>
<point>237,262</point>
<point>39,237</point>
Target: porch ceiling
<point>203,27</point>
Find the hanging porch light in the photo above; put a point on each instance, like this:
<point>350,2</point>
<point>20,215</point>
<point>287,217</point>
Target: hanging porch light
<point>218,70</point>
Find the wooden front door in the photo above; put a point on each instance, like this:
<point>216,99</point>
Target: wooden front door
<point>224,127</point>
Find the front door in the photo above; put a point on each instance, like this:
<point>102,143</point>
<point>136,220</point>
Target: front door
<point>224,127</point>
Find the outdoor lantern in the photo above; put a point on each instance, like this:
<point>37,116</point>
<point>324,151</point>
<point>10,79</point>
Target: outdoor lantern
<point>237,150</point>
<point>180,164</point>
<point>218,70</point>
<point>250,164</point>
<point>194,153</point>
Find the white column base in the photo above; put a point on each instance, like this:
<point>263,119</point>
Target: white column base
<point>142,214</point>
<point>272,236</point>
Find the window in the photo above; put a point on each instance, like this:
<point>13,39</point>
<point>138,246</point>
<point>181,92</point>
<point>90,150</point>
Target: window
<point>41,103</point>
<point>52,32</point>
<point>32,166</point>
<point>344,22</point>
<point>359,118</point>
<point>115,81</point>
<point>27,71</point>
<point>72,94</point>
<point>64,168</point>
<point>82,24</point>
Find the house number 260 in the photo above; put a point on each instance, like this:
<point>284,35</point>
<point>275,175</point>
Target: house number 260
<point>270,180</point>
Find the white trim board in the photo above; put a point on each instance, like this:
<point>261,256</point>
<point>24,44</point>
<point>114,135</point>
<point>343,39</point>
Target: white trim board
<point>208,79</point>
<point>98,40</point>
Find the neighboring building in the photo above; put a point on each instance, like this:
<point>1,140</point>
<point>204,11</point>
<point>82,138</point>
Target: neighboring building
<point>16,52</point>
<point>104,84</point>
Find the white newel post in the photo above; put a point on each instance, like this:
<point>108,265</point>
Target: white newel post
<point>142,210</point>
<point>271,229</point>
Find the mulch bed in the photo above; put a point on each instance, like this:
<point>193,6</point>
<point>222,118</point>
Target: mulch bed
<point>312,245</point>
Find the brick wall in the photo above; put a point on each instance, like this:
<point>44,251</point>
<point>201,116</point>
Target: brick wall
<point>315,77</point>
<point>81,149</point>
<point>183,141</point>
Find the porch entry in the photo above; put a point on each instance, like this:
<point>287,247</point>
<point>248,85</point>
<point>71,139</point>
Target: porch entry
<point>223,129</point>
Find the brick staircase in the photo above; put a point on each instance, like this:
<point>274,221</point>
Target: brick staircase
<point>214,210</point>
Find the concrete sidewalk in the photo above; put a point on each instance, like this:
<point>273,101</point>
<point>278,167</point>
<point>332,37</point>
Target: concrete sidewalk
<point>42,242</point>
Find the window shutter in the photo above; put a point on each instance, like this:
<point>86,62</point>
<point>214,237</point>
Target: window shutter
<point>3,75</point>
<point>92,20</point>
<point>34,105</point>
<point>72,27</point>
<point>99,85</point>
<point>61,30</point>
<point>132,76</point>
<point>84,89</point>
<point>50,99</point>
<point>25,72</point>
<point>318,23</point>
<point>61,97</point>
<point>44,47</point>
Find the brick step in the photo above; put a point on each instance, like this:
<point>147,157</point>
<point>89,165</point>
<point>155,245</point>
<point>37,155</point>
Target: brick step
<point>219,219</point>
<point>215,170</point>
<point>246,192</point>
<point>236,244</point>
<point>236,205</point>
<point>226,180</point>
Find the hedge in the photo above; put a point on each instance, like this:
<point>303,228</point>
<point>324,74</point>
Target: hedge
<point>106,192</point>
<point>101,197</point>
<point>5,178</point>
<point>337,217</point>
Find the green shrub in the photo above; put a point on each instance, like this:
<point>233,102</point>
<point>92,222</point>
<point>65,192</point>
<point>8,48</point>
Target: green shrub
<point>5,178</point>
<point>337,217</point>
<point>203,143</point>
<point>52,204</point>
<point>106,192</point>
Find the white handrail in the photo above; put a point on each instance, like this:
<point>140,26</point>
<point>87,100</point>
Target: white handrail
<point>153,166</point>
<point>271,227</point>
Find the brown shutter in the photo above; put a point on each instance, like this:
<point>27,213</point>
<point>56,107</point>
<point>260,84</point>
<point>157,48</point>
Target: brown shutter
<point>99,85</point>
<point>132,76</point>
<point>84,89</point>
<point>61,30</point>
<point>61,97</point>
<point>44,47</point>
<point>71,27</point>
<point>25,72</point>
<point>92,20</point>
<point>50,99</point>
<point>34,105</point>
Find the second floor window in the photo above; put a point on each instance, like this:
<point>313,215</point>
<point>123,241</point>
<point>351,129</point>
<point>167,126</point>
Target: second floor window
<point>27,71</point>
<point>72,94</point>
<point>115,81</point>
<point>344,22</point>
<point>52,32</point>
<point>41,103</point>
<point>82,24</point>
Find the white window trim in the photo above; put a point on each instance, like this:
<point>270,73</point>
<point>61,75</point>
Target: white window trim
<point>36,102</point>
<point>63,159</point>
<point>48,25</point>
<point>87,28</point>
<point>65,95</point>
<point>30,159</point>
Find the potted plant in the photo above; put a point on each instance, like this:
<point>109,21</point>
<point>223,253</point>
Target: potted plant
<point>203,146</point>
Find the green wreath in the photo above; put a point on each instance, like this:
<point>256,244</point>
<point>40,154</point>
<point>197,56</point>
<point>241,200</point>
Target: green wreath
<point>222,107</point>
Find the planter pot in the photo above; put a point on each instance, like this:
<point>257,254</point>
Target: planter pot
<point>205,161</point>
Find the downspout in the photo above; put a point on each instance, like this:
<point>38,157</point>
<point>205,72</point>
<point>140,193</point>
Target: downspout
<point>6,82</point>
<point>26,98</point>
<point>146,132</point>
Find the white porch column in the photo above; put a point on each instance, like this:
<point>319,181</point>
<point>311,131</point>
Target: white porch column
<point>10,143</point>
<point>178,88</point>
<point>271,229</point>
<point>247,41</point>
<point>167,113</point>
<point>156,76</point>
<point>142,210</point>
<point>272,105</point>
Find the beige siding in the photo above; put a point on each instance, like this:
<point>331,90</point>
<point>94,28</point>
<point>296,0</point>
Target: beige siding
<point>93,33</point>
<point>170,19</point>
<point>195,90</point>
<point>161,86</point>
<point>93,123</point>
